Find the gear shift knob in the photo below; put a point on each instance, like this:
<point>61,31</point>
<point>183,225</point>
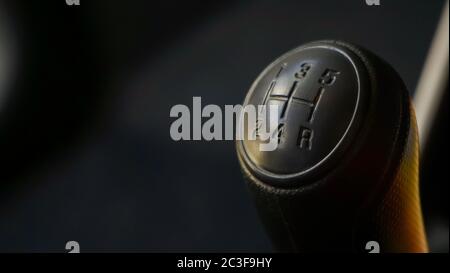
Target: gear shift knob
<point>345,171</point>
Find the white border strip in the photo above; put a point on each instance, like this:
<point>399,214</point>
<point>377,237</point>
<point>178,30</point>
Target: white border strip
<point>432,83</point>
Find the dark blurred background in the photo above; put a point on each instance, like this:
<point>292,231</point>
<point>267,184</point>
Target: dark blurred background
<point>85,95</point>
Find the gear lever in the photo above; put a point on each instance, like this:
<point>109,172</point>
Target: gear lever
<point>345,171</point>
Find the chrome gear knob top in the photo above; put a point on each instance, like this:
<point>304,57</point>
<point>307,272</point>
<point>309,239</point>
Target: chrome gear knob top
<point>345,170</point>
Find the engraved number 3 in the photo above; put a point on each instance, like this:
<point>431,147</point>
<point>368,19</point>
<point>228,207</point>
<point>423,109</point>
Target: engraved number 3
<point>304,68</point>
